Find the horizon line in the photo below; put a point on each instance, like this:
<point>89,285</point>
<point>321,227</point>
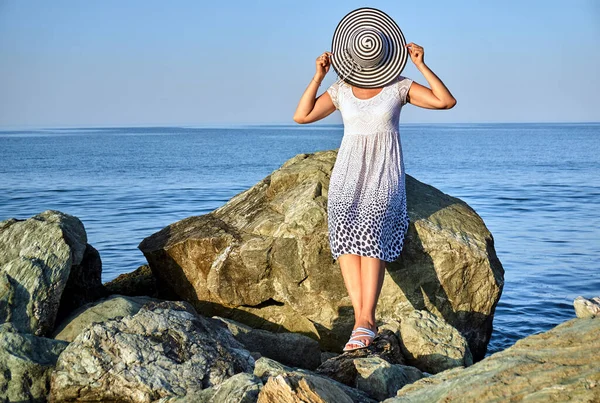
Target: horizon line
<point>242,125</point>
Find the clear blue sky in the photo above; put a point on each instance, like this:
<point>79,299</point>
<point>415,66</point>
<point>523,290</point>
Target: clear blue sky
<point>111,63</point>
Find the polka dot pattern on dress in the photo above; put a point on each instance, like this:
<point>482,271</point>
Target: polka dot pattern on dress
<point>367,213</point>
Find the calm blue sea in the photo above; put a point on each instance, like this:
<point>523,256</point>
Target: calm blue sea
<point>536,186</point>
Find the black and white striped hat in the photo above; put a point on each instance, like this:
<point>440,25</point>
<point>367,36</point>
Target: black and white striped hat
<point>368,48</point>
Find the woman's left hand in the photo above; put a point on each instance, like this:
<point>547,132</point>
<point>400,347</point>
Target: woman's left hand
<point>438,97</point>
<point>417,53</point>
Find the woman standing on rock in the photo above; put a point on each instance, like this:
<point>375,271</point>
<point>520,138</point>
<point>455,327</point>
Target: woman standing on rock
<point>367,214</point>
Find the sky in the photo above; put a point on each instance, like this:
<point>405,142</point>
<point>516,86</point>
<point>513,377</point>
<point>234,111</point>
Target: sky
<point>200,63</point>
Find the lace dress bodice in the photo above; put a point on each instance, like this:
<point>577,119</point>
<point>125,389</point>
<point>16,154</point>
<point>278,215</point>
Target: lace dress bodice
<point>380,113</point>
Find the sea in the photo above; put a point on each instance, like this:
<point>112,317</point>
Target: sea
<point>535,185</point>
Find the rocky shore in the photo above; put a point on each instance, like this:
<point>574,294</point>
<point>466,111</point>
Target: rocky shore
<point>245,304</point>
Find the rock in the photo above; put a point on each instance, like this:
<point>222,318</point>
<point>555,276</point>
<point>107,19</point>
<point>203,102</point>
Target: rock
<point>377,370</point>
<point>36,258</point>
<point>84,284</point>
<point>98,311</point>
<point>140,282</point>
<point>267,369</point>
<point>380,379</point>
<point>163,350</point>
<point>393,326</point>
<point>342,367</point>
<point>585,308</point>
<point>293,388</point>
<point>288,348</point>
<point>552,366</point>
<point>431,344</point>
<point>263,259</point>
<point>26,362</point>
<point>325,355</point>
<point>240,388</point>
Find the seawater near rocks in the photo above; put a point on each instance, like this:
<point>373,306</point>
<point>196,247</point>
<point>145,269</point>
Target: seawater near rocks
<point>138,356</point>
<point>164,351</point>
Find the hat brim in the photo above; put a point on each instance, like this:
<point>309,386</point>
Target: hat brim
<point>389,68</point>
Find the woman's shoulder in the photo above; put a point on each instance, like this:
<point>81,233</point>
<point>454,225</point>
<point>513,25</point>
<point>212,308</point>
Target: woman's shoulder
<point>401,80</point>
<point>337,88</point>
<point>339,84</point>
<point>403,84</point>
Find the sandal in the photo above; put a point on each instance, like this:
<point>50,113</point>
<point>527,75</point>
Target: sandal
<point>353,338</point>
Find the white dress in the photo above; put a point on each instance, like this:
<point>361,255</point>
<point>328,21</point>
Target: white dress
<point>366,205</point>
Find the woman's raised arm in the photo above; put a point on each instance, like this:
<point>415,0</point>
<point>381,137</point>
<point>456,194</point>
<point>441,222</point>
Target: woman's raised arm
<point>438,97</point>
<point>310,109</point>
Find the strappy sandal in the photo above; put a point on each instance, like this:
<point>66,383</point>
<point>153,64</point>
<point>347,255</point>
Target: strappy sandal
<point>354,337</point>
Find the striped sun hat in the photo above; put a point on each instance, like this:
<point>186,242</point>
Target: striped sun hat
<point>368,48</point>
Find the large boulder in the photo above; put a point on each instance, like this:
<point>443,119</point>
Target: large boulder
<point>554,366</point>
<point>163,350</point>
<point>98,311</point>
<point>263,259</point>
<point>26,363</point>
<point>39,258</point>
<point>431,344</point>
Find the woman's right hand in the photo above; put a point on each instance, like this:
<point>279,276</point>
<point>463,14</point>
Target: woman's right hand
<point>310,109</point>
<point>323,63</point>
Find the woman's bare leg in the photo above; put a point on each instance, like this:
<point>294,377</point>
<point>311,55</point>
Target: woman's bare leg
<point>372,275</point>
<point>364,287</point>
<point>350,266</point>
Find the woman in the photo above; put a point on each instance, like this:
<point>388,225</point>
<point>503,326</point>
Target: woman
<point>367,202</point>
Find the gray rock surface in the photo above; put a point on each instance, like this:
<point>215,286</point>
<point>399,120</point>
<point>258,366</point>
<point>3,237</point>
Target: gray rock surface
<point>432,345</point>
<point>294,388</point>
<point>161,351</point>
<point>380,379</point>
<point>36,258</point>
<point>377,370</point>
<point>26,362</point>
<point>240,388</point>
<point>98,311</point>
<point>554,366</point>
<point>586,308</point>
<point>287,348</point>
<point>289,385</point>
<point>263,259</point>
<point>342,368</point>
